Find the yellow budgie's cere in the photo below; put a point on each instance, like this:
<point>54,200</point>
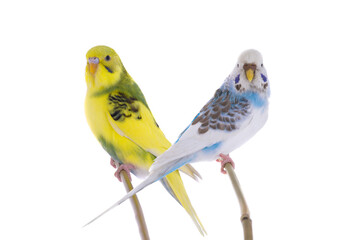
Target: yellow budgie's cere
<point>120,119</point>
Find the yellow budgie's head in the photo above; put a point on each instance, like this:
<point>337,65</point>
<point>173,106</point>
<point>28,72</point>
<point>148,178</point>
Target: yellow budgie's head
<point>103,67</point>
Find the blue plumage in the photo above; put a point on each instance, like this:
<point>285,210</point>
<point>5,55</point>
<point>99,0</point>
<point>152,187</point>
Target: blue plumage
<point>254,98</point>
<point>212,148</point>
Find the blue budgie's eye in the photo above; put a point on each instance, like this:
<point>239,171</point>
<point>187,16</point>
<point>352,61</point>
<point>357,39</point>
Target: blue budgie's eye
<point>264,78</point>
<point>237,79</point>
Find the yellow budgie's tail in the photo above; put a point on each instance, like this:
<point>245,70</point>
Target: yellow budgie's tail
<point>176,184</point>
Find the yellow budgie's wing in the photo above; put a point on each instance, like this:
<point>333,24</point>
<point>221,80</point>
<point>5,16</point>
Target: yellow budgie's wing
<point>132,119</point>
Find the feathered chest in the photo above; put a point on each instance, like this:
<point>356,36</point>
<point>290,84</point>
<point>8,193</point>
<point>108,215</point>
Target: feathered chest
<point>96,111</point>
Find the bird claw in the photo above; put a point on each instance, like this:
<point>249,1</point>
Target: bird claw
<point>114,163</point>
<point>224,160</point>
<point>126,168</point>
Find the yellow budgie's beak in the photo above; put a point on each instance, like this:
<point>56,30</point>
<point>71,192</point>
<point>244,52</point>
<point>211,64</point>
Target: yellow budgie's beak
<point>250,69</point>
<point>93,64</point>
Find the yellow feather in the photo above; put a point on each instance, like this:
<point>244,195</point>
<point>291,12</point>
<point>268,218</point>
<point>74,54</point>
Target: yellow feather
<point>134,138</point>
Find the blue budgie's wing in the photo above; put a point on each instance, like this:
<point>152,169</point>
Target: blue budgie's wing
<point>216,121</point>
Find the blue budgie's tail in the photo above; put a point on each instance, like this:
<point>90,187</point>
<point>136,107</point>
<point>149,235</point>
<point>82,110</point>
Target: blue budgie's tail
<point>149,180</point>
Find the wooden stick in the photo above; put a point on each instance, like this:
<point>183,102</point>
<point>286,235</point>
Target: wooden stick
<point>136,207</point>
<point>245,217</point>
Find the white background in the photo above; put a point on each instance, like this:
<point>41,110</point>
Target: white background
<point>300,174</point>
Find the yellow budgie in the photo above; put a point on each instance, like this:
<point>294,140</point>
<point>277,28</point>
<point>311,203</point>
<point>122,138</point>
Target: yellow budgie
<point>120,119</point>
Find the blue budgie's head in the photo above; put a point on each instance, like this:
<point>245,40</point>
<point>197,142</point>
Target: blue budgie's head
<point>249,73</point>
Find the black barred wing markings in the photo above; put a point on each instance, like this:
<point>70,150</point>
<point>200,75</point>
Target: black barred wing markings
<point>222,113</point>
<point>122,106</point>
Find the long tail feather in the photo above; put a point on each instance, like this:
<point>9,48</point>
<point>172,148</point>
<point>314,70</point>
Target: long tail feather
<point>175,182</point>
<point>169,189</point>
<point>149,180</point>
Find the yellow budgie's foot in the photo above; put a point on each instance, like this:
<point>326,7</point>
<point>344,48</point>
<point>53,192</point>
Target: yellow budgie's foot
<point>223,160</point>
<point>114,163</point>
<point>121,167</point>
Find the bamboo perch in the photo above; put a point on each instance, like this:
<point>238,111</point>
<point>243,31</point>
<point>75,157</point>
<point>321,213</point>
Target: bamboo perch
<point>245,217</point>
<point>136,207</point>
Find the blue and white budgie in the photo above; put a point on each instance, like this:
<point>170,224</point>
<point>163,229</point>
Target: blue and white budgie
<point>237,111</point>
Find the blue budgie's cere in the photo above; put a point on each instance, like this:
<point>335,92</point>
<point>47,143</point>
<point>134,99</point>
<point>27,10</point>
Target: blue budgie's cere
<point>237,111</point>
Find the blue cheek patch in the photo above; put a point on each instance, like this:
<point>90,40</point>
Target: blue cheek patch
<point>264,78</point>
<point>236,80</point>
<point>108,69</point>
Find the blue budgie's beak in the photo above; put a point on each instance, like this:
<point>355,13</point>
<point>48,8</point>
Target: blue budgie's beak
<point>249,69</point>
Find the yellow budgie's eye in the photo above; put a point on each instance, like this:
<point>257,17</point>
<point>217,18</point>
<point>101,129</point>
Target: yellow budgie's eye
<point>107,58</point>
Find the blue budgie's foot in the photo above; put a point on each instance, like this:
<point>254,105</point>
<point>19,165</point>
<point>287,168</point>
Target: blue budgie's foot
<point>224,160</point>
<point>121,167</point>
